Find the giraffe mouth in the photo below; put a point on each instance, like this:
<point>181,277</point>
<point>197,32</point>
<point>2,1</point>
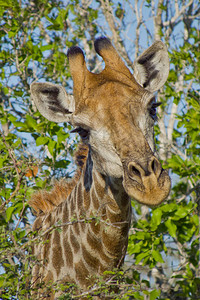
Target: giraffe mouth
<point>150,185</point>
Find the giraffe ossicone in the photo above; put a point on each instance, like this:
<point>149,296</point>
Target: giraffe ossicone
<point>114,112</point>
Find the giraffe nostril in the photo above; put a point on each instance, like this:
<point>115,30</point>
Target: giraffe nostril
<point>133,170</point>
<point>155,166</point>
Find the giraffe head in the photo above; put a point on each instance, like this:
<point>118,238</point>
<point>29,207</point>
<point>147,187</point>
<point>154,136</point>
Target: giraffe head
<point>118,110</point>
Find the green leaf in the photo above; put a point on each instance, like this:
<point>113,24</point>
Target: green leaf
<point>31,122</point>
<point>154,294</point>
<point>62,136</point>
<point>180,213</point>
<point>22,234</point>
<point>9,212</point>
<point>46,47</point>
<point>2,279</point>
<point>51,147</point>
<point>157,256</point>
<point>156,219</point>
<point>42,140</point>
<point>171,227</point>
<point>141,256</point>
<point>138,296</point>
<point>63,163</point>
<point>135,248</point>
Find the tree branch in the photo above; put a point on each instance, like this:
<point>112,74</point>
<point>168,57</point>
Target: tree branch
<point>107,10</point>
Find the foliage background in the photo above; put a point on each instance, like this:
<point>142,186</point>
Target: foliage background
<point>163,260</point>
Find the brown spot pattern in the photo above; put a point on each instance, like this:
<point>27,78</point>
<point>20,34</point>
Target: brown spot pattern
<point>68,252</point>
<point>90,259</point>
<point>82,273</point>
<point>74,242</point>
<point>57,258</point>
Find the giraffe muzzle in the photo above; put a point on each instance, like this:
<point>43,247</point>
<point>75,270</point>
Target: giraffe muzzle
<point>148,183</point>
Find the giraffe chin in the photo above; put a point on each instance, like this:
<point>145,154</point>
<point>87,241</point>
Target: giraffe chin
<point>149,190</point>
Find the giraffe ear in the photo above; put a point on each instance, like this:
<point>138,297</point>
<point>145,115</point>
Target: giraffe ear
<point>52,101</point>
<point>151,68</point>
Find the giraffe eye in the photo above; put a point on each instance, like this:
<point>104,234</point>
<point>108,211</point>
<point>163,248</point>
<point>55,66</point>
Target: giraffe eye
<point>152,110</point>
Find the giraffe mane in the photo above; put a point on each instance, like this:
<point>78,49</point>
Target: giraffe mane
<point>44,202</point>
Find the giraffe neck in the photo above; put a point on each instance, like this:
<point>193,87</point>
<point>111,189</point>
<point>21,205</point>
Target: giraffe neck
<point>95,220</point>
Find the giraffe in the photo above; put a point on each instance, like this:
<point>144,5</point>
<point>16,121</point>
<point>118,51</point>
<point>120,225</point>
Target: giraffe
<point>114,113</point>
